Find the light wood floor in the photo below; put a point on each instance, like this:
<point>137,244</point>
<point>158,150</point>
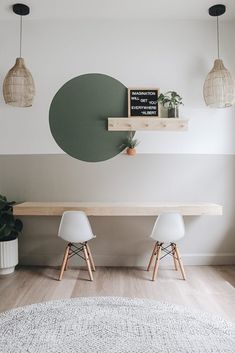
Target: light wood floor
<point>208,288</point>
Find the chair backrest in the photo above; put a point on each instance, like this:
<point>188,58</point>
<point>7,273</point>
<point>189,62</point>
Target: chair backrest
<point>75,227</point>
<point>169,227</point>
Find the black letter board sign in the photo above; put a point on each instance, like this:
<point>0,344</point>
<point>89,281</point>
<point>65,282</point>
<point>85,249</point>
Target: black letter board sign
<point>143,102</point>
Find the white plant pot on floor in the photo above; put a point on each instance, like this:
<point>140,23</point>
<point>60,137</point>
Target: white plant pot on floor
<point>8,256</point>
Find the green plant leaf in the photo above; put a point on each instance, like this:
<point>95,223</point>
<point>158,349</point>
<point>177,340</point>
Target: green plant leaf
<point>9,226</point>
<point>5,231</point>
<point>18,225</point>
<point>170,99</point>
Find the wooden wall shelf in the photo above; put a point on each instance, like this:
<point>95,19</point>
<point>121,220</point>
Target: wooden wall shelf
<point>136,124</point>
<point>117,208</point>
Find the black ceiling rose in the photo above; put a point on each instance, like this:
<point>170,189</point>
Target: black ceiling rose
<point>217,10</point>
<point>21,9</point>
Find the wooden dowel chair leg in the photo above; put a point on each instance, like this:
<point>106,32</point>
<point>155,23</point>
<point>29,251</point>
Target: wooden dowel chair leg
<point>180,262</point>
<point>152,256</point>
<point>90,257</point>
<point>66,254</point>
<point>174,256</point>
<point>157,261</point>
<point>88,262</point>
<point>67,261</point>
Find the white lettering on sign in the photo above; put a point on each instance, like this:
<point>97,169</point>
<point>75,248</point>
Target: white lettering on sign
<point>142,93</point>
<point>142,107</point>
<point>144,112</point>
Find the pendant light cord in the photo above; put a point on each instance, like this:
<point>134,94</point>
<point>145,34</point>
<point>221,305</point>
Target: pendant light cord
<point>218,36</point>
<point>20,35</point>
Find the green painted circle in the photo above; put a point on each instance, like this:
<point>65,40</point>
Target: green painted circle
<point>79,117</point>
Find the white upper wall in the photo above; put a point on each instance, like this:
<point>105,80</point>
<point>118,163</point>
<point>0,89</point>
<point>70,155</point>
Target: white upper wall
<point>119,9</point>
<point>169,54</point>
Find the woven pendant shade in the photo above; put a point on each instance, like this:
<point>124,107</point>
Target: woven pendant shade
<point>219,90</point>
<point>18,86</point>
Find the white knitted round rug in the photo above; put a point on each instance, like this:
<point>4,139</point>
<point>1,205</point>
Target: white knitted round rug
<point>108,325</point>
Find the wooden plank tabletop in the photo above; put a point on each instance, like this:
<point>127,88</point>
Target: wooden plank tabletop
<point>117,208</point>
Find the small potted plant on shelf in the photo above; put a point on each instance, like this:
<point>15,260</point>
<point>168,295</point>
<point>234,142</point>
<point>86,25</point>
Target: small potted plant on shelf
<point>171,101</point>
<point>9,231</point>
<point>130,143</point>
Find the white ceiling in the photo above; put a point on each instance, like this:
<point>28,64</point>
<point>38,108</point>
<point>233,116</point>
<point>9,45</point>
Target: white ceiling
<point>118,9</point>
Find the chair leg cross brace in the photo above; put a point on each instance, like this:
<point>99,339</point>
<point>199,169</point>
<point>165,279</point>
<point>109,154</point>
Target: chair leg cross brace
<point>82,251</point>
<point>174,252</point>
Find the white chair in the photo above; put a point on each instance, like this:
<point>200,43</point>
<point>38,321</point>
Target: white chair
<point>75,228</point>
<point>168,229</point>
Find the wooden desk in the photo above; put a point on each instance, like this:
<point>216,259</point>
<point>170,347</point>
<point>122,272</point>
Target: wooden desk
<point>117,208</point>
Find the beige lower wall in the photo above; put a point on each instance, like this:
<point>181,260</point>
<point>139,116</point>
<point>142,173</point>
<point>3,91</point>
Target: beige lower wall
<point>124,240</point>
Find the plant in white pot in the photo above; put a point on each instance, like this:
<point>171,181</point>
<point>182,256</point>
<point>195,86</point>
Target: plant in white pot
<point>9,231</point>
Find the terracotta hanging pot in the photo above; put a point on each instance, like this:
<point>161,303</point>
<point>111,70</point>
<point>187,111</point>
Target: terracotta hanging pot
<point>131,151</point>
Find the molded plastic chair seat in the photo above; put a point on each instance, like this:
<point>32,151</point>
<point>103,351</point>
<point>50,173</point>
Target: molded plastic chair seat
<point>168,228</point>
<point>75,228</point>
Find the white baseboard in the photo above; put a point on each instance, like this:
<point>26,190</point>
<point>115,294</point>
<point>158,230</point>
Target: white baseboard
<point>209,259</point>
<point>131,261</point>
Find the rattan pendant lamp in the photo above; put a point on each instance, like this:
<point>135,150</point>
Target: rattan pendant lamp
<point>18,86</point>
<point>219,90</point>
